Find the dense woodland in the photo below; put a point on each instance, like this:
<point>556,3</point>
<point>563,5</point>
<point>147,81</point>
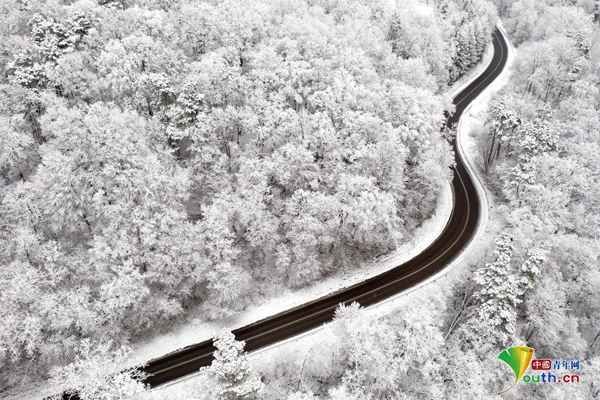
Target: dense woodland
<point>159,157</point>
<point>540,282</point>
<point>162,156</point>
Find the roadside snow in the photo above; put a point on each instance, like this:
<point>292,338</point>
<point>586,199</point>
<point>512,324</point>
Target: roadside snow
<point>197,330</point>
<point>194,333</point>
<point>463,82</point>
<point>470,123</point>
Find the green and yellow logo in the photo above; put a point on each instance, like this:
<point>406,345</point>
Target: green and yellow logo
<point>518,358</point>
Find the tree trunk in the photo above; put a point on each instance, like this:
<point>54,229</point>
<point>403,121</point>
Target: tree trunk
<point>454,323</point>
<point>595,340</point>
<point>490,156</point>
<point>530,333</point>
<point>87,222</point>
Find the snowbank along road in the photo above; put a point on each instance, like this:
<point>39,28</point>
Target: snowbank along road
<point>457,234</point>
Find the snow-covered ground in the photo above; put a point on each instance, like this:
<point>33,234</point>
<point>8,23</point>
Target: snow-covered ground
<point>196,330</point>
<point>471,122</point>
<point>463,82</point>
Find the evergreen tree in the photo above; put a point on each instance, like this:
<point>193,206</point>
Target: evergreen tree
<point>231,372</point>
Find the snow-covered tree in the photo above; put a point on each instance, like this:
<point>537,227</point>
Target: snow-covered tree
<point>93,374</point>
<point>545,170</point>
<point>15,151</point>
<point>413,35</point>
<point>386,358</point>
<point>499,289</point>
<point>230,371</point>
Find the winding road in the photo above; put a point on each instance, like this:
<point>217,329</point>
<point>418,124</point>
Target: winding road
<point>456,235</point>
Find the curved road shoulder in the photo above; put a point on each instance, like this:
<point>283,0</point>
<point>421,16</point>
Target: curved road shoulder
<point>465,222</point>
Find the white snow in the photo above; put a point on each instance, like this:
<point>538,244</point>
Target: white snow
<point>195,330</point>
<point>470,123</point>
<point>463,82</point>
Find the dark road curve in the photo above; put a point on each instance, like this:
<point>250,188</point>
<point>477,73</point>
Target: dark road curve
<point>456,235</point>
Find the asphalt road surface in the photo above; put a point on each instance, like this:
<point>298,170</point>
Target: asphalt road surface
<point>455,237</point>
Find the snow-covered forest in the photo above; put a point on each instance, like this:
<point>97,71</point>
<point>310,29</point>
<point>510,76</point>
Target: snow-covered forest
<point>540,280</point>
<point>159,156</point>
<point>542,156</point>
